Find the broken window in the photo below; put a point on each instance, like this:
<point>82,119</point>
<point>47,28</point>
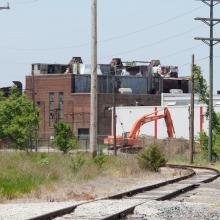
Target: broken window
<point>61,102</point>
<point>51,109</point>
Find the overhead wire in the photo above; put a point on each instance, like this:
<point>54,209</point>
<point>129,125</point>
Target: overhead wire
<point>166,56</point>
<point>104,40</point>
<point>140,47</point>
<point>155,43</point>
<point>181,51</point>
<point>196,60</point>
<point>51,49</point>
<point>151,26</point>
<point>23,2</point>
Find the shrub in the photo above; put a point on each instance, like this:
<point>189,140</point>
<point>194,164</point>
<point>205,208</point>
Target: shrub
<point>64,138</point>
<point>151,158</point>
<point>203,140</point>
<point>77,162</point>
<point>99,160</point>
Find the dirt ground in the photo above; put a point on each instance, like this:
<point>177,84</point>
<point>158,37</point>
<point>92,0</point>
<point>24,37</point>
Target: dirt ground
<point>97,188</point>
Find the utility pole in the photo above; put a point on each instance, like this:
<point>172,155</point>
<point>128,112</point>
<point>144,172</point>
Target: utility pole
<point>93,100</point>
<point>34,136</point>
<point>7,7</point>
<point>210,41</point>
<point>192,113</point>
<point>114,112</point>
<point>33,91</point>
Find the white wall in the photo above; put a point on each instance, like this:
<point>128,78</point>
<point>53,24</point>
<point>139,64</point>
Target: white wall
<point>127,116</point>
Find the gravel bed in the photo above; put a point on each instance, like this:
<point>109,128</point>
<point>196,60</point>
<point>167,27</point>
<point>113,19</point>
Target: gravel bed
<point>101,209</point>
<point>172,210</point>
<point>23,211</point>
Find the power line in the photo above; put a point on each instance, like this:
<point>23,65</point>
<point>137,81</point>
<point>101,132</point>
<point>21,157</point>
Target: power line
<point>151,26</point>
<point>197,60</point>
<point>155,43</point>
<point>51,49</point>
<point>125,52</point>
<point>24,2</point>
<point>180,51</point>
<point>104,40</point>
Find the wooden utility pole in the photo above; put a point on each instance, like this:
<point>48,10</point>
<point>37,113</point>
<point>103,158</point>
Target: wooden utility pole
<point>33,91</point>
<point>191,140</point>
<point>210,41</point>
<point>33,134</point>
<point>93,100</point>
<point>114,111</point>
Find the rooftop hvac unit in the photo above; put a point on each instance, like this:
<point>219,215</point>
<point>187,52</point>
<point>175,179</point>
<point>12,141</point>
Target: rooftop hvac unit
<point>78,68</point>
<point>217,104</point>
<point>125,90</point>
<point>170,103</point>
<point>176,91</point>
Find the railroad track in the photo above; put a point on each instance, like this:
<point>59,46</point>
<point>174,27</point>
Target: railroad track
<point>122,206</point>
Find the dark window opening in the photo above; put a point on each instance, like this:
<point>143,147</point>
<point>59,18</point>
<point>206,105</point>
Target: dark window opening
<point>61,106</point>
<point>51,109</point>
<point>83,133</point>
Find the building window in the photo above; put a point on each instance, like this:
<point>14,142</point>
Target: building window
<point>51,109</point>
<point>83,133</point>
<point>60,108</point>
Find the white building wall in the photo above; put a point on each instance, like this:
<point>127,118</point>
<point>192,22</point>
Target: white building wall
<point>127,116</point>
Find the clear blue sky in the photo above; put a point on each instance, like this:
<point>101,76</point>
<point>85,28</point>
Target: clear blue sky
<point>52,31</point>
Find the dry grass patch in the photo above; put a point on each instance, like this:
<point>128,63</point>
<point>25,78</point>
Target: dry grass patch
<point>58,177</point>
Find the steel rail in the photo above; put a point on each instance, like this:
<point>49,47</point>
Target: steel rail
<point>123,214</point>
<point>68,210</point>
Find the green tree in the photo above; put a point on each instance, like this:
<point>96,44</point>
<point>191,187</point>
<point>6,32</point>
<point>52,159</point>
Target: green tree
<point>201,88</point>
<point>18,120</point>
<point>64,138</point>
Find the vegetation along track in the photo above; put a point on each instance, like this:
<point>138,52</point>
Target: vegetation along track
<point>121,205</point>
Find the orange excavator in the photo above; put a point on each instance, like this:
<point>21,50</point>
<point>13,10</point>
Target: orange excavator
<point>130,139</point>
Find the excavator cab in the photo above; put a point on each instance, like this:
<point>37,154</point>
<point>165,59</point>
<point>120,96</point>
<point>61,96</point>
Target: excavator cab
<point>125,136</point>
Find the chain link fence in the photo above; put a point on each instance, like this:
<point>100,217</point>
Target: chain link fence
<point>46,144</point>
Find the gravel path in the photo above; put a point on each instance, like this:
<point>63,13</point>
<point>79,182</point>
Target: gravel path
<point>28,210</point>
<point>101,209</point>
<point>172,210</point>
<point>208,193</point>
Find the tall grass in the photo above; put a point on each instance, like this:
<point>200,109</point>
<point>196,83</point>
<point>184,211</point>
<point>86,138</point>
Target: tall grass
<point>24,173</point>
<point>39,174</point>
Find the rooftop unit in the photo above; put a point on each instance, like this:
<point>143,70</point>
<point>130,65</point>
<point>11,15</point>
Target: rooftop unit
<point>46,69</point>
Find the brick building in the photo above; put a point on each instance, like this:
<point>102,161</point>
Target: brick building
<point>6,90</point>
<point>62,94</point>
<point>54,96</point>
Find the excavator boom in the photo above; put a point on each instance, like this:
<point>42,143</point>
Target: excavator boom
<point>131,138</point>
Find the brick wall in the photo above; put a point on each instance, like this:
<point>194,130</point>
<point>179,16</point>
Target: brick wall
<point>77,106</point>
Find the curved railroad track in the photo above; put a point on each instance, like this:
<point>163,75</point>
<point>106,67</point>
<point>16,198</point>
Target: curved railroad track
<point>123,204</point>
